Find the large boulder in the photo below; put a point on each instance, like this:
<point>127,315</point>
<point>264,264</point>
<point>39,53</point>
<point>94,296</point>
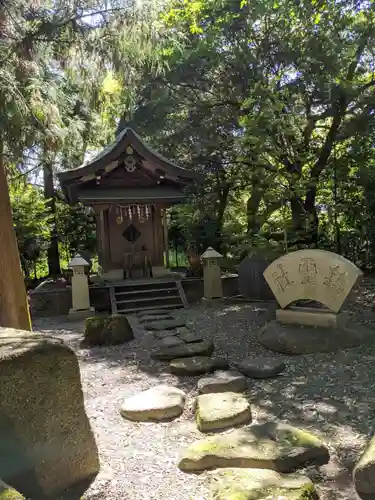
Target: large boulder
<point>9,493</point>
<point>294,339</point>
<point>205,348</point>
<point>108,330</point>
<point>46,442</point>
<point>160,403</point>
<point>260,484</point>
<point>364,473</point>
<point>275,446</point>
<point>261,367</point>
<point>222,381</point>
<point>197,365</point>
<point>219,411</point>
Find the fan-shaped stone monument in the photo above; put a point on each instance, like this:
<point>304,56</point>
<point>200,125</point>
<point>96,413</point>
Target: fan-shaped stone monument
<point>312,275</point>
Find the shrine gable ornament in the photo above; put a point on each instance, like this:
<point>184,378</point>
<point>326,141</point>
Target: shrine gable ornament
<point>312,275</point>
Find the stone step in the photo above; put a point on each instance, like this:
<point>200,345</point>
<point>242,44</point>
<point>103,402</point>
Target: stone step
<point>143,296</point>
<point>148,291</point>
<point>150,299</point>
<point>151,285</point>
<point>136,310</point>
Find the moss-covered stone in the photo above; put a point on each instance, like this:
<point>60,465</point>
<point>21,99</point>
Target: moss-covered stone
<point>9,493</point>
<point>46,442</point>
<point>259,484</point>
<point>364,473</point>
<point>219,411</point>
<point>275,446</point>
<point>108,330</point>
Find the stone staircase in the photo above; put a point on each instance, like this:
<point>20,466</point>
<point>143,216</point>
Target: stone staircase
<point>137,296</point>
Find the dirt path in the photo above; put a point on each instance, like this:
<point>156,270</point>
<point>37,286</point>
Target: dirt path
<point>331,394</point>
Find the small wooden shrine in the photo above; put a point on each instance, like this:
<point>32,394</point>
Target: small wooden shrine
<point>129,186</point>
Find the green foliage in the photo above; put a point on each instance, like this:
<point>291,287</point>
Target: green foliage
<point>30,223</point>
<point>272,102</point>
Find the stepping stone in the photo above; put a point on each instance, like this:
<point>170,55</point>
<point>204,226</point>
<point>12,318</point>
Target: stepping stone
<point>183,330</point>
<point>150,319</point>
<point>261,367</point>
<point>159,403</point>
<point>170,341</point>
<point>222,381</point>
<point>220,411</point>
<point>190,337</point>
<point>197,365</point>
<point>259,484</point>
<point>165,325</point>
<point>275,446</point>
<point>164,333</point>
<point>154,312</point>
<point>205,348</point>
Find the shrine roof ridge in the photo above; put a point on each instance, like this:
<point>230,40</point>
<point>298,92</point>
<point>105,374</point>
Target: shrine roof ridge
<point>127,137</point>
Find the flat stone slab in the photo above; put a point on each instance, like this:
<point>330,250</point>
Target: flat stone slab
<point>155,317</point>
<point>293,339</point>
<point>183,330</point>
<point>204,348</point>
<point>154,312</point>
<point>275,446</point>
<point>196,365</point>
<point>190,337</point>
<point>170,341</point>
<point>160,403</point>
<point>259,484</point>
<point>164,333</point>
<point>261,367</point>
<point>219,411</point>
<point>165,324</point>
<point>222,381</point>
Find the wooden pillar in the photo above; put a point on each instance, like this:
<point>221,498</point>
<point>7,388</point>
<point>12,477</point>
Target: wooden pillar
<point>166,241</point>
<point>14,309</point>
<point>102,238</point>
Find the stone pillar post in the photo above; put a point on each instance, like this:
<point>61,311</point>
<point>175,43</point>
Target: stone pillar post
<point>80,290</point>
<point>213,287</point>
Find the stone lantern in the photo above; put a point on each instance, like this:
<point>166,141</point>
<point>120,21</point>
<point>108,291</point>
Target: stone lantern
<point>213,288</point>
<point>80,290</point>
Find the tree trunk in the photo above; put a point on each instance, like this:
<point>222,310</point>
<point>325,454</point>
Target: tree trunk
<point>252,208</point>
<point>53,255</point>
<point>14,309</point>
<point>223,201</point>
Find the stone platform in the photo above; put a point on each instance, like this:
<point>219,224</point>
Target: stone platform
<point>309,316</point>
<point>299,339</point>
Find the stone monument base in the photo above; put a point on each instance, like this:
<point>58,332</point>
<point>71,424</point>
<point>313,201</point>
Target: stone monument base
<point>299,339</point>
<point>309,316</point>
<point>80,314</point>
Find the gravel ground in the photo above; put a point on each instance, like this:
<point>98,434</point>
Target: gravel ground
<point>333,395</point>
